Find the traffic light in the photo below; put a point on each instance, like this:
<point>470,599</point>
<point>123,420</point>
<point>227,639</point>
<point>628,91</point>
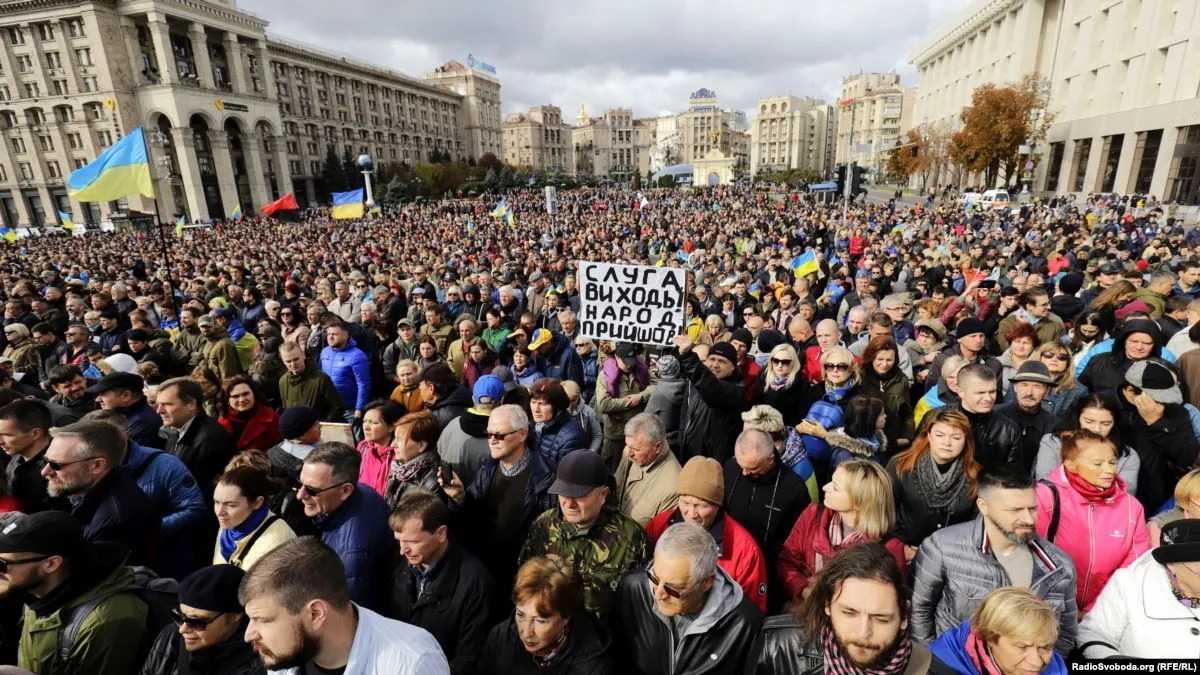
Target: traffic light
<point>841,180</point>
<point>856,176</point>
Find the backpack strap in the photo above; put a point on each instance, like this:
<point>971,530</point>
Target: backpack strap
<point>1054,515</point>
<point>253,538</point>
<point>72,619</point>
<point>136,474</point>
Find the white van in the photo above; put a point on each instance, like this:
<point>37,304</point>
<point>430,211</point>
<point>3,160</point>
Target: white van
<point>995,199</point>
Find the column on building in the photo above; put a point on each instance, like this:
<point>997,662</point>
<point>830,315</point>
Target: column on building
<point>162,177</point>
<point>160,35</point>
<point>49,206</point>
<point>236,62</point>
<point>1125,162</point>
<point>265,72</point>
<point>129,31</point>
<point>1162,167</point>
<point>1092,172</point>
<point>283,170</point>
<point>1065,176</point>
<point>204,70</point>
<point>223,162</point>
<point>189,169</point>
<point>256,169</point>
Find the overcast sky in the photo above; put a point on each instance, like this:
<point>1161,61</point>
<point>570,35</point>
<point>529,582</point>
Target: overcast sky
<point>644,54</point>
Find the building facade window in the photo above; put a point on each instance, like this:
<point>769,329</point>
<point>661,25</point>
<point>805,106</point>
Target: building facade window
<point>1145,157</point>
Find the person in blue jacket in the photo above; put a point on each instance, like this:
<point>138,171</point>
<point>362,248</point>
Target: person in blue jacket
<point>352,518</point>
<point>348,367</point>
<point>1011,631</point>
<point>555,431</point>
<point>557,356</point>
<point>123,394</point>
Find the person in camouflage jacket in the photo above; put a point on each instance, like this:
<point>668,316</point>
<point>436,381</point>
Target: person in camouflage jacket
<point>588,530</point>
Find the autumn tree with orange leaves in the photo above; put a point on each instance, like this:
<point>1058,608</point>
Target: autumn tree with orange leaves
<point>995,126</point>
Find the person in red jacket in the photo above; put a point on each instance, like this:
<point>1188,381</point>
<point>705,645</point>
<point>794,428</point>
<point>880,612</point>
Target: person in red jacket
<point>701,491</point>
<point>252,423</point>
<point>858,508</point>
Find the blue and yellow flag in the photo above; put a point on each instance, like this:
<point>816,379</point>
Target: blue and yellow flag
<point>179,226</point>
<point>470,226</point>
<point>9,235</point>
<point>377,210</point>
<point>508,217</point>
<point>899,227</point>
<point>500,210</point>
<point>236,215</point>
<point>804,264</point>
<point>120,171</point>
<point>347,205</point>
<point>66,220</point>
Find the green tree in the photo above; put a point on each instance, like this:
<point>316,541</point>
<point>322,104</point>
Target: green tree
<point>429,178</point>
<point>333,176</point>
<point>489,161</point>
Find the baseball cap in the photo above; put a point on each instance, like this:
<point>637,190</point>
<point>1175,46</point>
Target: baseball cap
<point>127,381</point>
<point>540,337</point>
<point>628,353</point>
<point>503,374</point>
<point>1109,268</point>
<point>44,533</point>
<point>1180,542</point>
<point>488,390</point>
<point>405,322</point>
<point>224,313</point>
<point>580,472</point>
<point>204,320</point>
<point>1155,380</point>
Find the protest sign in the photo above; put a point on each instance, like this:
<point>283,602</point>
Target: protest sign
<point>628,303</point>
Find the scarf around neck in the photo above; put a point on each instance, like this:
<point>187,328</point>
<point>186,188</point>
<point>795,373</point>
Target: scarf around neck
<point>1090,492</point>
<point>837,663</point>
<point>941,489</point>
<point>410,471</point>
<point>229,538</point>
<point>980,655</point>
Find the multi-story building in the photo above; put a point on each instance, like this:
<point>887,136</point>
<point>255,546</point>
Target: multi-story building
<point>792,133</point>
<point>1124,92</point>
<point>604,147</point>
<point>872,114</point>
<point>538,139</point>
<point>480,90</point>
<point>706,126</point>
<point>232,116</point>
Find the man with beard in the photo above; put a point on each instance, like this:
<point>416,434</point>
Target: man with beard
<point>833,625</point>
<point>207,634</point>
<point>958,565</point>
<point>302,620</point>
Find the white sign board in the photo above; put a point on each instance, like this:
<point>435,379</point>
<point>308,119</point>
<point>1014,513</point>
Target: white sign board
<point>628,303</point>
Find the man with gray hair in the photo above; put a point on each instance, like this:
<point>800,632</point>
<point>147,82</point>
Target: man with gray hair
<point>683,613</point>
<point>895,306</point>
<point>648,472</point>
<point>345,305</point>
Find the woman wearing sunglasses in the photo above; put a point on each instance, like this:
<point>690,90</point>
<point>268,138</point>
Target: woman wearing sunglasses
<point>207,634</point>
<point>780,386</point>
<point>249,530</point>
<point>1066,391</point>
<point>824,404</point>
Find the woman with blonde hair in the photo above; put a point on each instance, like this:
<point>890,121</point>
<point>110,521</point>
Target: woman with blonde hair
<point>715,330</point>
<point>1187,505</point>
<point>857,508</point>
<point>1012,631</point>
<point>779,384</point>
<point>824,405</point>
<point>1057,359</point>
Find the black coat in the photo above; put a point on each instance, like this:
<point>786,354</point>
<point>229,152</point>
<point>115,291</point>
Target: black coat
<point>997,438</point>
<point>205,448</point>
<point>711,418</point>
<point>26,483</point>
<point>915,520</point>
<point>233,657</point>
<point>117,510</point>
<point>587,652</point>
<point>645,639</point>
<point>1032,428</point>
<point>1168,449</point>
<point>453,606</point>
<point>791,402</point>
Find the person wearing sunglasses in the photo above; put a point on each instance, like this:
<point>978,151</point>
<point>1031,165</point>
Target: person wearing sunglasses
<point>44,555</point>
<point>684,580</point>
<point>206,634</point>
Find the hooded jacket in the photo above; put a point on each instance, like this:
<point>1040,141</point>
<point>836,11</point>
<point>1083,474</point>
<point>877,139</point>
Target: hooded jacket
<point>1100,537</point>
<point>843,448</point>
<point>176,497</point>
<point>350,371</point>
<point>723,638</point>
<point>563,362</point>
<point>559,436</point>
<point>1167,449</point>
<point>463,444</point>
<point>144,423</point>
<point>221,355</point>
<point>1106,372</point>
<point>450,406</point>
<point>587,651</point>
<point>950,655</point>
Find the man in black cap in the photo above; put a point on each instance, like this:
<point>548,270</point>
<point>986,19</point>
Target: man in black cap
<point>1064,304</point>
<point>971,342</point>
<point>1106,275</point>
<point>711,418</point>
<point>1154,422</point>
<point>124,393</point>
<point>207,635</point>
<point>1030,384</point>
<point>83,464</point>
<point>301,432</point>
<point>599,541</point>
<point>72,588</point>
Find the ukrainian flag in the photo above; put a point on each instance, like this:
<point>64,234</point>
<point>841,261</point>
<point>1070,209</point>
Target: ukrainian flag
<point>9,235</point>
<point>347,205</point>
<point>805,264</point>
<point>120,171</point>
<point>179,226</point>
<point>508,217</point>
<point>377,210</point>
<point>236,216</point>
<point>66,220</point>
<point>500,210</point>
<point>898,228</point>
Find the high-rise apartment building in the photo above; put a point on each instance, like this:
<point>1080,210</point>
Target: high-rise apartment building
<point>790,132</point>
<point>872,114</point>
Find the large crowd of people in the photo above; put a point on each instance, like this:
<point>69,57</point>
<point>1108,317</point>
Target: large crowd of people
<point>966,443</point>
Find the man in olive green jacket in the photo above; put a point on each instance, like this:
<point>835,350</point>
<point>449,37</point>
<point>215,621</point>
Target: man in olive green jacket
<point>622,390</point>
<point>306,385</point>
<point>73,585</point>
<point>220,354</point>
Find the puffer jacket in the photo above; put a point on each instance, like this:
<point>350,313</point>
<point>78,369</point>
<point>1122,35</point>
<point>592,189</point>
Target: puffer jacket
<point>564,362</point>
<point>955,568</point>
<point>587,652</point>
<point>808,549</point>
<point>1100,537</point>
<point>174,492</point>
<point>350,371</point>
<point>358,532</point>
<point>234,656</point>
<point>786,650</point>
<point>221,354</point>
<point>558,437</point>
<point>1129,464</point>
<point>712,412</point>
<point>722,639</point>
<point>950,656</point>
<point>451,406</point>
<point>843,448</point>
<point>112,638</point>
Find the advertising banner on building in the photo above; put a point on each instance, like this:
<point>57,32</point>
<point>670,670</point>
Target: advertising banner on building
<point>631,303</point>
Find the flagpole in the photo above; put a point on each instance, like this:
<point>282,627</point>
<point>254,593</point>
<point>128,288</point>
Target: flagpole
<point>162,240</point>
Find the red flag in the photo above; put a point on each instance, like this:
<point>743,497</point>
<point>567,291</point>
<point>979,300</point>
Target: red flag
<point>284,203</point>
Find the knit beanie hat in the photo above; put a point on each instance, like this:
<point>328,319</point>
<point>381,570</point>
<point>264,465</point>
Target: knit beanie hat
<point>702,478</point>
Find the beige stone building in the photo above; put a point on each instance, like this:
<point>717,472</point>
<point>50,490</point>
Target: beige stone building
<point>873,113</point>
<point>791,132</point>
<point>231,115</point>
<point>1124,87</point>
<point>605,147</point>
<point>479,89</point>
<point>538,139</point>
<point>705,125</point>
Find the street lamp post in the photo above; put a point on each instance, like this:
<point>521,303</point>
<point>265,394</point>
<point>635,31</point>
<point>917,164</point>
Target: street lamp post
<point>366,164</point>
<point>849,102</point>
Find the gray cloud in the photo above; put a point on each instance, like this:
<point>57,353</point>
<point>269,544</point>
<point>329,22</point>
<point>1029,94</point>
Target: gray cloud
<point>647,55</point>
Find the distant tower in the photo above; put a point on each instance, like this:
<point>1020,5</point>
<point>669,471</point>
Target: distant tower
<point>582,118</point>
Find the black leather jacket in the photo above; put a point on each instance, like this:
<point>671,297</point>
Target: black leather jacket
<point>786,651</point>
<point>232,657</point>
<point>646,644</point>
<point>997,439</point>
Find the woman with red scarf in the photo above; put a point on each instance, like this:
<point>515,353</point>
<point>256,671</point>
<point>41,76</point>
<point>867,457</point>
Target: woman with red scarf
<point>1012,631</point>
<point>1086,500</point>
<point>252,423</point>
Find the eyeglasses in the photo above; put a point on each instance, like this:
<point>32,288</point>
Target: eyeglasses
<point>670,589</point>
<point>496,436</point>
<point>837,366</point>
<point>5,564</point>
<point>781,362</point>
<point>1057,357</point>
<point>58,466</point>
<point>193,622</point>
<point>313,492</point>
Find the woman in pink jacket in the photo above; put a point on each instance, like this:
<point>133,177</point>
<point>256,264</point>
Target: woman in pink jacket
<point>1084,509</point>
